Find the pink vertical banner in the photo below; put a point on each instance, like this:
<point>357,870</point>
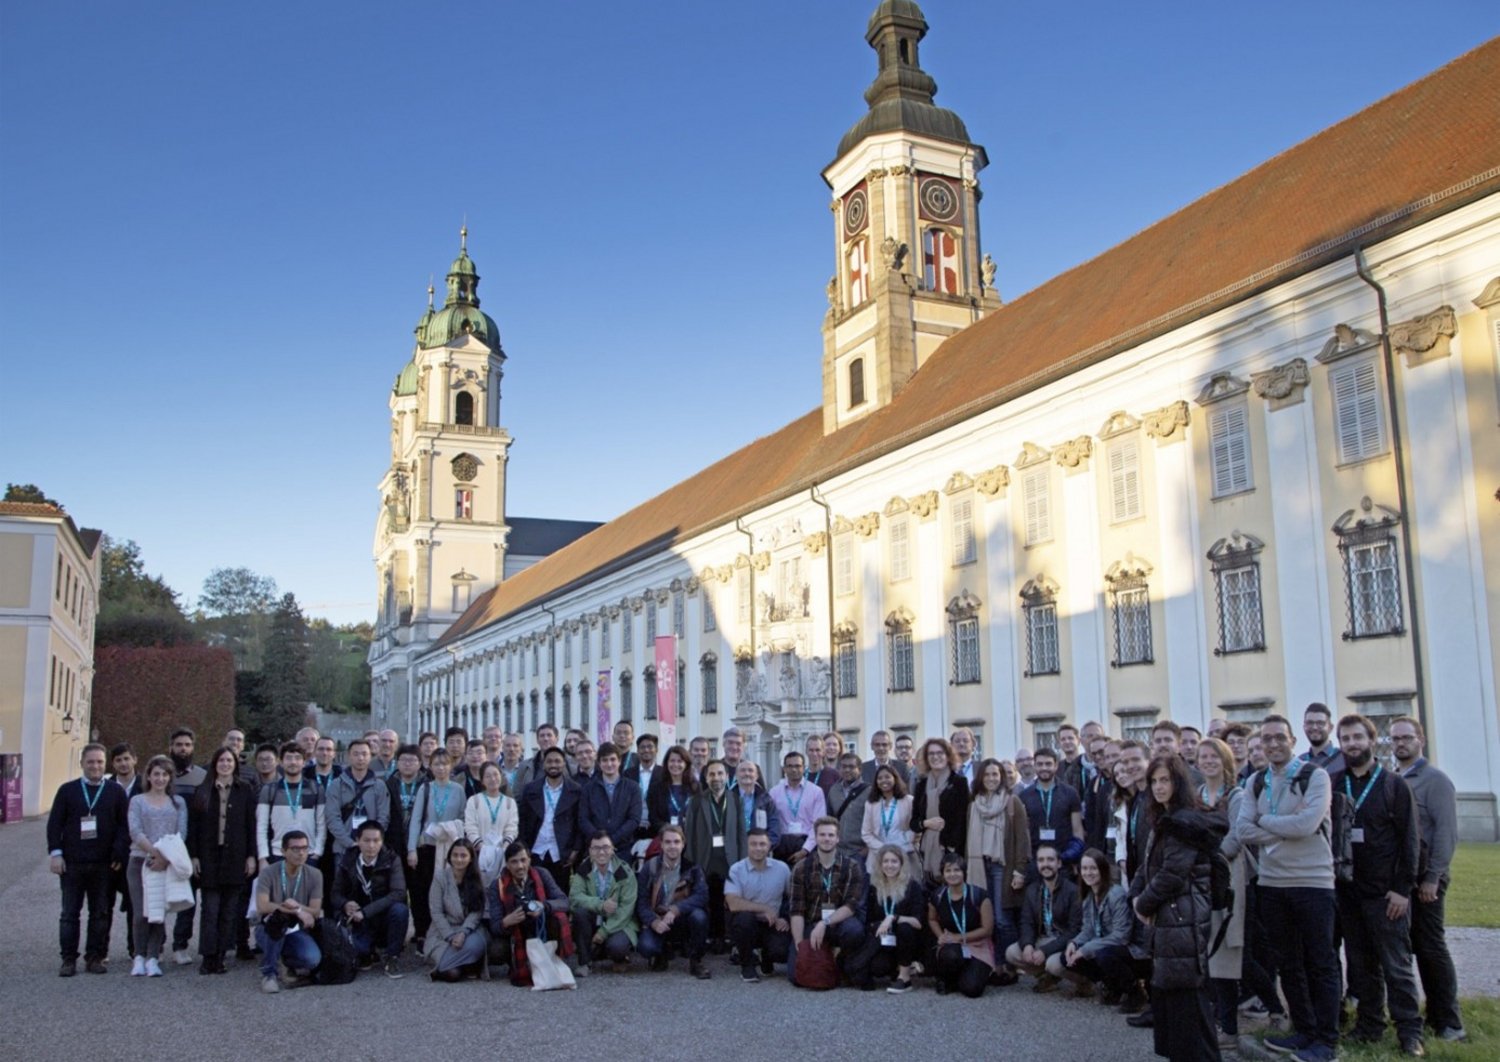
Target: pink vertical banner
<point>601,714</point>
<point>666,688</point>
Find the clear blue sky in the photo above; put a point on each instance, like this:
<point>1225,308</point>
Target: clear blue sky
<point>217,222</point>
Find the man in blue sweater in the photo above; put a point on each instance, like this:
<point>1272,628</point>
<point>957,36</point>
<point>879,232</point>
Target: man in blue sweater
<point>87,841</point>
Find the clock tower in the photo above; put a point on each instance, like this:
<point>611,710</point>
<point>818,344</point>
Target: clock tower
<point>906,229</point>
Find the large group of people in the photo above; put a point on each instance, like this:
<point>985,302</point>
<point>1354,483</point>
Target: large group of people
<point>1188,882</point>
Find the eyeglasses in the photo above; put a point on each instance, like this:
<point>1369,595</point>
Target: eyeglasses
<point>1275,739</point>
<point>296,848</point>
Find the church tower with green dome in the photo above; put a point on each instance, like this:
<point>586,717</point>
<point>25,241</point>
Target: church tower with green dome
<point>440,537</point>
<point>909,272</point>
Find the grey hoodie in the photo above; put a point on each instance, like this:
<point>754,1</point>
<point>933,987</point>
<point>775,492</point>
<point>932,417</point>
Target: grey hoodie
<point>1294,851</point>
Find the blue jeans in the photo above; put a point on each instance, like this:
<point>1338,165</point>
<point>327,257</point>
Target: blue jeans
<point>387,930</point>
<point>299,950</point>
<point>1299,922</point>
<point>689,932</point>
<point>1007,931</point>
<point>92,882</point>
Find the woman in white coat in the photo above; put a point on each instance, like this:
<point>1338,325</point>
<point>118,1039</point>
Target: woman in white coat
<point>491,821</point>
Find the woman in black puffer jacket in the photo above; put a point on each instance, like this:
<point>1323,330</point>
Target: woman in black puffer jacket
<point>1171,894</point>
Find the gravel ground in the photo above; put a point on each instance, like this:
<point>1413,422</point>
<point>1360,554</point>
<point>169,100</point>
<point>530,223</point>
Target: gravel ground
<point>635,1013</point>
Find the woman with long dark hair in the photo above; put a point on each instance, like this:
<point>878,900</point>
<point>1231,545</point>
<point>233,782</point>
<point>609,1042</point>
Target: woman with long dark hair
<point>221,841</point>
<point>456,938</point>
<point>154,813</point>
<point>1171,895</point>
<point>670,790</point>
<point>887,818</point>
<point>1101,953</point>
<point>999,851</point>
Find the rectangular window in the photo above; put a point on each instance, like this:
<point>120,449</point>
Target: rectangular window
<point>710,618</point>
<point>710,686</point>
<point>510,667</point>
<point>1229,443</point>
<point>1357,418</point>
<point>648,691</point>
<point>1044,733</point>
<point>627,699</point>
<point>1374,588</point>
<point>583,645</point>
<point>604,624</point>
<point>963,531</point>
<point>679,614</point>
<point>1241,624</point>
<point>742,597</point>
<point>58,593</point>
<point>463,504</point>
<point>900,549</point>
<point>651,622</point>
<point>567,642</point>
<point>903,664</point>
<point>460,596</point>
<point>1132,615</point>
<point>1036,499</point>
<point>965,638</point>
<point>627,631</point>
<point>846,665</point>
<point>1124,480</point>
<point>536,658</point>
<point>843,565</point>
<point>1042,656</point>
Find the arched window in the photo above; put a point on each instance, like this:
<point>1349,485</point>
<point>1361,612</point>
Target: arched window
<point>463,408</point>
<point>940,261</point>
<point>648,688</point>
<point>856,382</point>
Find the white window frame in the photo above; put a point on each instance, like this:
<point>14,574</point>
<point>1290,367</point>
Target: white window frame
<point>899,543</point>
<point>1043,653</point>
<point>1358,413</point>
<point>843,564</point>
<point>1124,479</point>
<point>1036,504</point>
<point>1229,450</point>
<point>961,524</point>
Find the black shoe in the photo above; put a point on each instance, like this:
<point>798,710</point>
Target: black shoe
<point>659,963</point>
<point>698,970</point>
<point>1110,997</point>
<point>96,966</point>
<point>1143,1020</point>
<point>750,975</point>
<point>941,986</point>
<point>206,966</point>
<point>900,986</point>
<point>1134,1001</point>
<point>68,968</point>
<point>244,953</point>
<point>1412,1045</point>
<point>767,967</point>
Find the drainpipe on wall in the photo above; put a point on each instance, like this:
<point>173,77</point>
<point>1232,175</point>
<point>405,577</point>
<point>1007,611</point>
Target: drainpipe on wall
<point>833,701</point>
<point>1402,500</point>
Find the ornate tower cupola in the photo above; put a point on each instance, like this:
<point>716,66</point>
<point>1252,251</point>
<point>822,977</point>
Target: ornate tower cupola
<point>906,229</point>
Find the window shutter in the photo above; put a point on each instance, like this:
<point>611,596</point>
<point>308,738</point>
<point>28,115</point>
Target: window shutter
<point>1038,519</point>
<point>1125,479</point>
<point>1357,414</point>
<point>963,531</point>
<point>1229,440</point>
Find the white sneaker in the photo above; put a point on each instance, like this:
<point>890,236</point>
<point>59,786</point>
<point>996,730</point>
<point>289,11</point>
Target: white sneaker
<point>138,967</point>
<point>183,957</point>
<point>153,968</point>
<point>270,985</point>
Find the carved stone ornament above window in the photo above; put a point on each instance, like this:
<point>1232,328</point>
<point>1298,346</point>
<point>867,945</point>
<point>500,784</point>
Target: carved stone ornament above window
<point>1490,296</point>
<point>900,619</point>
<point>743,655</point>
<point>761,561</point>
<point>841,525</point>
<point>1283,385</point>
<point>992,481</point>
<point>742,560</point>
<point>866,525</point>
<point>592,619</point>
<point>896,506</point>
<point>1352,526</point>
<point>845,631</point>
<point>925,505</point>
<point>1074,454</point>
<point>1039,588</point>
<point>1346,340</point>
<point>957,482</point>
<point>815,543</point>
<point>1425,338</point>
<point>1167,424</point>
<point>662,596</point>
<point>613,612</point>
<point>726,572</point>
<point>1234,550</point>
<point>965,604</point>
<point>1220,386</point>
<point>1031,454</point>
<point>465,468</point>
<point>634,604</point>
<point>1127,570</point>
<point>691,586</point>
<point>675,585</point>
<point>1119,423</point>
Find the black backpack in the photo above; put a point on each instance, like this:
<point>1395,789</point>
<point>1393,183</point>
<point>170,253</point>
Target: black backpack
<point>1340,820</point>
<point>340,963</point>
<point>1220,894</point>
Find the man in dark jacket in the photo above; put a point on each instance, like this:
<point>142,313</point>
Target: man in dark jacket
<point>672,905</point>
<point>370,889</point>
<point>87,841</point>
<point>610,802</point>
<point>549,812</point>
<point>1375,908</point>
<point>1051,916</point>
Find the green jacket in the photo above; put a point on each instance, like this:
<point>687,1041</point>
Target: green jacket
<point>583,895</point>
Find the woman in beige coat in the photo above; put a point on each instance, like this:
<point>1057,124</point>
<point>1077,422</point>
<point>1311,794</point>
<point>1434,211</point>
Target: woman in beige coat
<point>456,942</point>
<point>1221,798</point>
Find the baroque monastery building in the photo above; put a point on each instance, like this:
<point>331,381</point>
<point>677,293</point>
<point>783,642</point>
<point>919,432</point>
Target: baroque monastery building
<point>1245,460</point>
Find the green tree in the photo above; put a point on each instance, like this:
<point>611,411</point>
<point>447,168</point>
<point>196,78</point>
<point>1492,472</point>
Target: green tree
<point>29,492</point>
<point>285,673</point>
<point>338,665</point>
<point>234,610</point>
<point>136,608</point>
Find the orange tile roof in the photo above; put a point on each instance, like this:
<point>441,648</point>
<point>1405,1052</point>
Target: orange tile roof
<point>1421,152</point>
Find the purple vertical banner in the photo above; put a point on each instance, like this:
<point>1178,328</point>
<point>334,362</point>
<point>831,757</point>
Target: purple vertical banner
<point>602,712</point>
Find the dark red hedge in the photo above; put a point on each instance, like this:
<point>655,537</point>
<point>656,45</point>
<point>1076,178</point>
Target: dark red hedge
<point>142,694</point>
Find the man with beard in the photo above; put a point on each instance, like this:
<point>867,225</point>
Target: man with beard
<point>1070,765</point>
<point>189,778</point>
<point>1054,811</point>
<point>1317,725</point>
<point>1098,794</point>
<point>846,802</point>
<point>1051,916</point>
<point>549,812</point>
<point>1375,908</point>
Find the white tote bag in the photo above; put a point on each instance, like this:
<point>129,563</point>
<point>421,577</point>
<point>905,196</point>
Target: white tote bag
<point>548,972</point>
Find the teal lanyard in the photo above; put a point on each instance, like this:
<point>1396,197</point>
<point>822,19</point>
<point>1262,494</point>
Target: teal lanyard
<point>1369,784</point>
<point>295,805</point>
<point>1218,795</point>
<point>1047,806</point>
<point>494,808</point>
<point>890,906</point>
<point>1046,909</point>
<point>674,802</point>
<point>796,808</point>
<point>716,815</point>
<point>887,818</point>
<point>749,806</point>
<point>1272,800</point>
<point>288,891</point>
<point>408,794</point>
<point>827,876</point>
<point>442,805</point>
<point>90,802</point>
<point>961,916</point>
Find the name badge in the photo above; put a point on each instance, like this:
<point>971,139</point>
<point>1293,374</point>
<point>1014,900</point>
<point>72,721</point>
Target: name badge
<point>888,940</point>
<point>1111,833</point>
<point>1048,835</point>
<point>828,914</point>
<point>88,828</point>
<point>718,840</point>
<point>674,821</point>
<point>968,952</point>
<point>760,820</point>
<point>356,821</point>
<point>1357,834</point>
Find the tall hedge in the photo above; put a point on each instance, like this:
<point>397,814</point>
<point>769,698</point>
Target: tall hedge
<point>142,694</point>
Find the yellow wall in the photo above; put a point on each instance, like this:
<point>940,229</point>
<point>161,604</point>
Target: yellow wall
<point>15,570</point>
<point>12,677</point>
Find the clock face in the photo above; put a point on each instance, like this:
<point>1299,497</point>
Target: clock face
<point>856,212</point>
<point>938,199</point>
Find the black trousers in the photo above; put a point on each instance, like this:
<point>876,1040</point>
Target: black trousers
<point>1113,966</point>
<point>419,884</point>
<point>1379,956</point>
<point>749,931</point>
<point>615,947</point>
<point>223,909</point>
<point>968,976</point>
<point>94,883</point>
<point>1183,1025</point>
<point>872,960</point>
<point>1429,944</point>
<point>1258,968</point>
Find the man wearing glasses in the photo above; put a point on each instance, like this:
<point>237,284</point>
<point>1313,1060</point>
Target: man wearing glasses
<point>289,899</point>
